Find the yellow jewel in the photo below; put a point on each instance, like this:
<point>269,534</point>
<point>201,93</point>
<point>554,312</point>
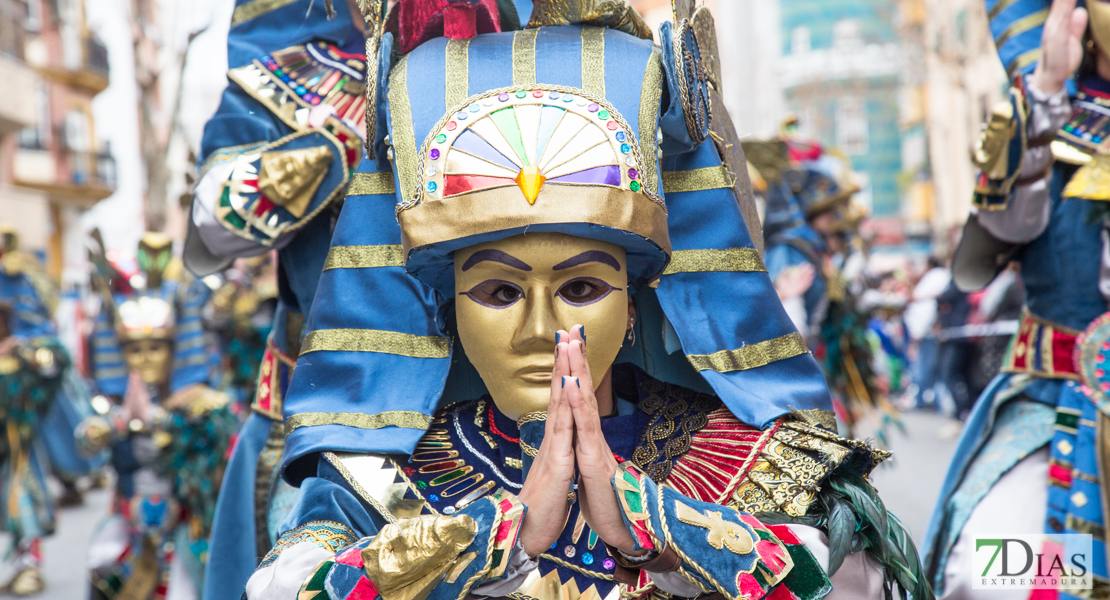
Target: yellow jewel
<point>530,180</point>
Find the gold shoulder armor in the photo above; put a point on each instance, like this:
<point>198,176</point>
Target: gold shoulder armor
<point>991,154</point>
<point>792,466</point>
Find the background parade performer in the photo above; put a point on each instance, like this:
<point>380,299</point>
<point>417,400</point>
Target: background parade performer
<point>169,433</point>
<point>544,191</point>
<point>278,157</point>
<point>32,365</point>
<point>1027,459</point>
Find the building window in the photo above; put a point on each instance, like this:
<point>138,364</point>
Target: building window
<point>847,33</point>
<point>38,137</point>
<point>852,135</point>
<point>799,40</point>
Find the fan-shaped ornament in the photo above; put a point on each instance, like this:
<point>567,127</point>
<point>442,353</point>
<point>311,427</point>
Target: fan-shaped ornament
<point>530,138</point>
<point>1092,356</point>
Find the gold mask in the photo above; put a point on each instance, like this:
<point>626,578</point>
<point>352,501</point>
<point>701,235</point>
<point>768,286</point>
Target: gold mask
<point>150,358</point>
<point>1099,11</point>
<point>514,294</point>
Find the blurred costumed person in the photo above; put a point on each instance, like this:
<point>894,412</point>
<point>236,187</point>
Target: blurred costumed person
<point>168,432</point>
<point>1029,459</point>
<point>241,313</point>
<point>277,159</point>
<point>32,364</point>
<point>449,431</point>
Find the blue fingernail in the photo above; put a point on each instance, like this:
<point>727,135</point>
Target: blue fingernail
<point>564,381</point>
<point>582,330</point>
<point>578,382</point>
<point>556,337</point>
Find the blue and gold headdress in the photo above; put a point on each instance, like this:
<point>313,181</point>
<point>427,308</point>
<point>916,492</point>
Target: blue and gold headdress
<point>592,131</point>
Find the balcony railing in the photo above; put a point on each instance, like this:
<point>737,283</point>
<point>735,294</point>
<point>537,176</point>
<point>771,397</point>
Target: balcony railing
<point>97,169</point>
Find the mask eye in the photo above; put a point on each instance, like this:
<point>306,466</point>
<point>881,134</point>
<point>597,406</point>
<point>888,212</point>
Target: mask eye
<point>495,293</point>
<point>584,290</point>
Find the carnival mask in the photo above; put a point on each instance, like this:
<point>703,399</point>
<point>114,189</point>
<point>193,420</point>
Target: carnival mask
<point>1099,11</point>
<point>514,294</point>
<point>150,358</point>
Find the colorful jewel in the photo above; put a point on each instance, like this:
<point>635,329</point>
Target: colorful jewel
<point>630,161</point>
<point>604,114</point>
<point>440,467</point>
<point>634,186</point>
<point>429,171</point>
<point>591,540</point>
<point>537,94</point>
<point>451,126</point>
<point>452,476</point>
<point>474,108</point>
<point>553,95</point>
<point>503,97</point>
<point>568,98</point>
<point>521,94</point>
<point>570,551</point>
<point>621,137</point>
<point>432,186</point>
<point>611,125</point>
<point>583,102</point>
<point>433,498</point>
<point>608,564</point>
<point>633,174</point>
<point>441,138</point>
<point>593,107</point>
<point>409,470</point>
<point>553,544</point>
<point>461,115</point>
<point>434,154</point>
<point>587,559</point>
<point>462,485</point>
<point>434,455</point>
<point>421,484</point>
<point>625,148</point>
<point>477,493</point>
<point>449,510</point>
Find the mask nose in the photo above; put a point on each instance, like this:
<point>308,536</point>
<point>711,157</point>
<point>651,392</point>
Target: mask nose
<point>536,331</point>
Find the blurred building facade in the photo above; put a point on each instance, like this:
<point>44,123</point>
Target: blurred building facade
<point>51,167</point>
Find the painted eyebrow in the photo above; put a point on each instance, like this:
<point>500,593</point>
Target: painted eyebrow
<point>589,256</point>
<point>495,256</point>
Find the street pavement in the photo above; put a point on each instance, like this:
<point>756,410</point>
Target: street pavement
<point>908,485</point>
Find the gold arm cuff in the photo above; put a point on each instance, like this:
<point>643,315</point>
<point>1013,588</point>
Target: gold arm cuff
<point>697,180</point>
<point>364,257</point>
<point>735,260</point>
<point>256,9</point>
<point>751,357</point>
<point>396,418</point>
<point>366,184</point>
<point>376,340</point>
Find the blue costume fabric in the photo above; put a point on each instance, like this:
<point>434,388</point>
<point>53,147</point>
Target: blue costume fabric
<point>1060,272</point>
<point>386,416</point>
<point>253,500</point>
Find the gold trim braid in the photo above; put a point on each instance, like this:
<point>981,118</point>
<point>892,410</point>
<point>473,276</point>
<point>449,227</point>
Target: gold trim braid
<point>375,340</point>
<point>255,9</point>
<point>650,96</point>
<point>364,257</point>
<point>751,357</point>
<point>395,418</point>
<point>524,57</point>
<point>593,60</point>
<point>370,184</point>
<point>731,260</point>
<point>1022,25</point>
<point>697,180</point>
<point>403,136</point>
<point>458,72</point>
